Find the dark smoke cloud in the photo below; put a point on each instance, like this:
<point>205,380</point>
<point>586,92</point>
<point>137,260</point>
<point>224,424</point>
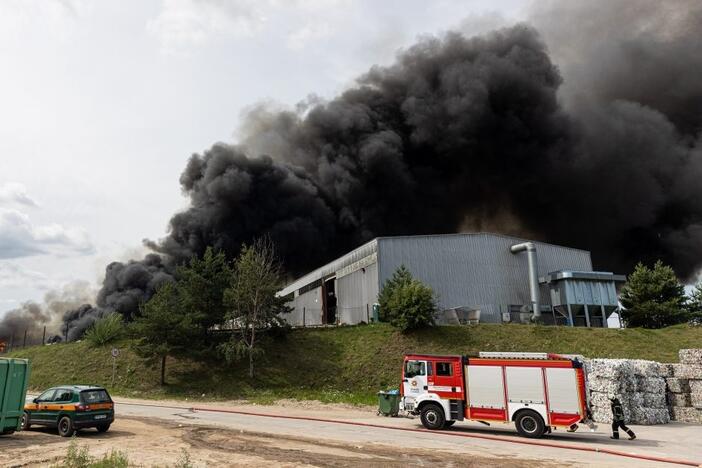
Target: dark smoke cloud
<point>471,133</point>
<point>416,147</point>
<point>127,285</point>
<point>465,134</point>
<point>77,321</point>
<point>32,317</point>
<point>29,319</point>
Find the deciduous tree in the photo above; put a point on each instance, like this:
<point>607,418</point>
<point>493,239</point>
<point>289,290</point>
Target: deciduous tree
<point>251,301</point>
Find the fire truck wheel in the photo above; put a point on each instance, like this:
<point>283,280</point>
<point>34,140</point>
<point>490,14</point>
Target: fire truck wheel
<point>433,416</point>
<point>530,424</point>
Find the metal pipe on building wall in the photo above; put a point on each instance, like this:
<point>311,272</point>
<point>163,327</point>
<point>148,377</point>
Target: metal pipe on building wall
<point>530,249</point>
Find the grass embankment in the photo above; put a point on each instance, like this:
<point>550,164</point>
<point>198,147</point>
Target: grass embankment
<point>346,364</point>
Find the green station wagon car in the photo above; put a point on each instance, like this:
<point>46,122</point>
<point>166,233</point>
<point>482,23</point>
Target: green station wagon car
<point>70,408</point>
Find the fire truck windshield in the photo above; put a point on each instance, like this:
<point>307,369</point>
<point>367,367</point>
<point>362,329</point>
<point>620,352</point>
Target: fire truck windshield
<point>414,368</point>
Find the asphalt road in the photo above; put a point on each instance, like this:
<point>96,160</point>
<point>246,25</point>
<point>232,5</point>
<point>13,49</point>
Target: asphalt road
<point>679,441</point>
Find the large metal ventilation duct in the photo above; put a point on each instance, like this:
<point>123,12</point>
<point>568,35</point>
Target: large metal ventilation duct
<point>530,249</point>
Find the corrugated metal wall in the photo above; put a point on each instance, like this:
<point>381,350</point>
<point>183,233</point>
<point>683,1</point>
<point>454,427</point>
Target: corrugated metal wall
<point>356,293</point>
<point>475,270</point>
<point>307,306</point>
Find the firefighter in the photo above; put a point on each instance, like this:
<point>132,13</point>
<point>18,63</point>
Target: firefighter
<point>618,419</point>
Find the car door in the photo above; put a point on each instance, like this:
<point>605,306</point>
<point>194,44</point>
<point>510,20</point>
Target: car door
<point>62,403</point>
<point>414,378</point>
<point>40,413</point>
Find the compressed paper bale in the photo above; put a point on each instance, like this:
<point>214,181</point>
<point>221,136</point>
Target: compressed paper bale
<point>633,400</point>
<point>687,371</point>
<point>608,368</point>
<point>650,384</point>
<point>655,416</point>
<point>649,416</point>
<point>690,356</point>
<point>679,399</point>
<point>695,386</point>
<point>696,400</point>
<point>610,386</point>
<point>599,400</point>
<point>655,400</point>
<point>601,415</point>
<point>665,370</point>
<point>646,368</point>
<point>687,415</point>
<point>676,385</point>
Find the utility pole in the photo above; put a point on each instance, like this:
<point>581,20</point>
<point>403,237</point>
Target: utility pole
<point>43,337</point>
<point>24,343</point>
<point>12,341</point>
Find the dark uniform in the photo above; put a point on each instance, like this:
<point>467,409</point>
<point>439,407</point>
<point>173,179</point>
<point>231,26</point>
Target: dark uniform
<point>618,420</point>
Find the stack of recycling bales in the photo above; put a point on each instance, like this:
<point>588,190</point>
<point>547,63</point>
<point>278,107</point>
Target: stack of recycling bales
<point>685,387</point>
<point>639,385</point>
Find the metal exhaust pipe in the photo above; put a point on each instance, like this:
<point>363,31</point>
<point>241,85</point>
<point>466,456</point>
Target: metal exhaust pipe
<point>530,249</point>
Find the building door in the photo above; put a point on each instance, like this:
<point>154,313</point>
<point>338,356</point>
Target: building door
<point>329,291</point>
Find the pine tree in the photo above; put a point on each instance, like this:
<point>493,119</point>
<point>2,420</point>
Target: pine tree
<point>164,328</point>
<point>405,302</point>
<point>653,297</point>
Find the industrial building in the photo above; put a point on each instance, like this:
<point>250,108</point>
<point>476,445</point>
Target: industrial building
<point>492,278</point>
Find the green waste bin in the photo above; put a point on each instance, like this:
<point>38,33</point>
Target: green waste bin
<point>14,376</point>
<point>389,403</point>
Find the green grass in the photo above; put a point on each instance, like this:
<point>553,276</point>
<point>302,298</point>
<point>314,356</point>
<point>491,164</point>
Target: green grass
<point>345,364</point>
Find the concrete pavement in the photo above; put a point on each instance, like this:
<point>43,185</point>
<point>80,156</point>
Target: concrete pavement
<point>679,441</point>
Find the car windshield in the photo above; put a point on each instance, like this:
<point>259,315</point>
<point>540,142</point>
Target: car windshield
<point>95,396</point>
<point>414,368</point>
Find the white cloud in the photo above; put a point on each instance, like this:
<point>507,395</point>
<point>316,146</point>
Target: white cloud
<point>14,193</point>
<point>183,23</point>
<point>13,276</point>
<point>298,39</point>
<point>20,238</point>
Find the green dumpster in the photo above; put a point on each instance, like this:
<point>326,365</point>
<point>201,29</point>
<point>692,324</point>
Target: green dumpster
<point>14,376</point>
<point>389,403</point>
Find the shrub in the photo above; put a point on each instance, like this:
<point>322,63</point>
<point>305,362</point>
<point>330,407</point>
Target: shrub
<point>79,457</point>
<point>407,303</point>
<point>105,330</point>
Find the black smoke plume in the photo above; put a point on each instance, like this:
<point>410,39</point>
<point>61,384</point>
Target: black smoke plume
<point>469,133</point>
<point>27,320</point>
<point>33,317</point>
<point>77,321</point>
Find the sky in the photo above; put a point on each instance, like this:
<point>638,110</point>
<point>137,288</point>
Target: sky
<point>104,102</point>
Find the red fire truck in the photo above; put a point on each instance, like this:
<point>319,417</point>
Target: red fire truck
<point>537,391</point>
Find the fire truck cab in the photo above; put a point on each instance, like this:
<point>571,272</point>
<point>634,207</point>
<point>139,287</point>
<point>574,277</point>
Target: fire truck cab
<point>538,392</point>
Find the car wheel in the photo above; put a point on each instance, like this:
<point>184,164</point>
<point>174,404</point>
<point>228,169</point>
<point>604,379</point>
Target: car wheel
<point>433,416</point>
<point>65,427</point>
<point>103,428</point>
<point>448,424</point>
<point>530,424</point>
<point>25,421</point>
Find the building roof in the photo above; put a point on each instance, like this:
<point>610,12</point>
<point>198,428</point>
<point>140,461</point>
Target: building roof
<point>370,248</point>
<point>582,275</point>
